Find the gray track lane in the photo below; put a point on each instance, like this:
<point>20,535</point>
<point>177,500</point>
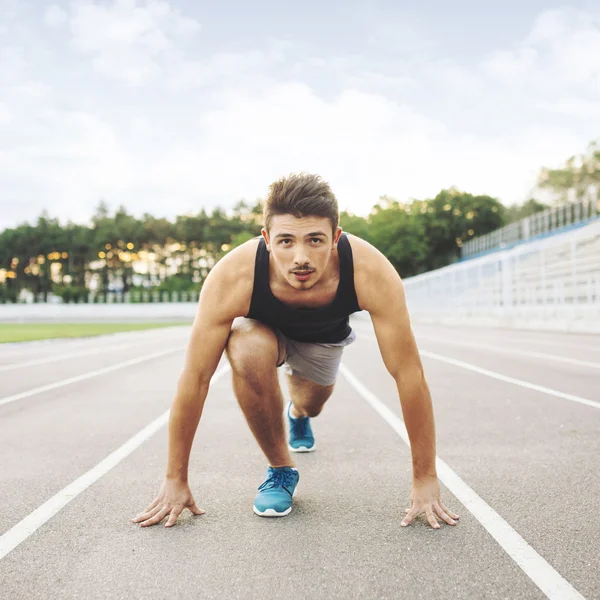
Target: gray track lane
<point>532,457</point>
<point>583,347</point>
<point>50,439</point>
<point>343,539</point>
<point>79,362</point>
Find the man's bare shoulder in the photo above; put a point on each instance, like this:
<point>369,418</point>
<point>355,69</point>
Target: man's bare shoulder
<point>372,271</point>
<point>232,278</point>
<point>366,257</point>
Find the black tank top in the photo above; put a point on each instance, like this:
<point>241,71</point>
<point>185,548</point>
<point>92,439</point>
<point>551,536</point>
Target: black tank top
<point>326,325</point>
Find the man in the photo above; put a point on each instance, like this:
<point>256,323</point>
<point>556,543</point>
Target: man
<point>285,298</point>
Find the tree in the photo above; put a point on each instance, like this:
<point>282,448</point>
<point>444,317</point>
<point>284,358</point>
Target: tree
<point>399,236</point>
<point>355,224</point>
<point>453,217</point>
<point>520,211</point>
<point>579,173</point>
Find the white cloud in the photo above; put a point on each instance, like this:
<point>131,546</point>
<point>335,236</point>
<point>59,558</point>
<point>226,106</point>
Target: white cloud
<point>128,39</point>
<point>509,67</point>
<point>13,64</point>
<point>223,66</point>
<point>562,51</point>
<point>572,106</point>
<point>236,120</point>
<point>5,115</point>
<point>29,90</point>
<point>55,16</point>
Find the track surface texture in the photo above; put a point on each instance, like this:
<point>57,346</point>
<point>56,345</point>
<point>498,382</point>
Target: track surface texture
<point>531,456</point>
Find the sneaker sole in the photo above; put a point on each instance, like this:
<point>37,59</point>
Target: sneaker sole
<point>302,448</point>
<point>271,512</point>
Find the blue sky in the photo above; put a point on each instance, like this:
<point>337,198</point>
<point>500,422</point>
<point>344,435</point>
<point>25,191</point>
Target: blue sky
<point>167,106</point>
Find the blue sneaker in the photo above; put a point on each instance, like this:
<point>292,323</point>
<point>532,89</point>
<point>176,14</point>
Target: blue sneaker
<point>274,498</point>
<point>301,435</point>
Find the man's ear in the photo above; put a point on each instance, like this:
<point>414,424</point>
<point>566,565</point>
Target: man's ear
<point>265,235</point>
<point>336,237</point>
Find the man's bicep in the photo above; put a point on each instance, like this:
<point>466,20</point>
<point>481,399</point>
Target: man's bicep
<point>385,300</point>
<point>218,306</point>
<point>395,337</point>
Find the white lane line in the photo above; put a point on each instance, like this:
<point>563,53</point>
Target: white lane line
<point>505,378</point>
<point>513,380</point>
<point>552,584</point>
<point>43,361</point>
<point>366,327</point>
<point>88,375</point>
<point>564,359</point>
<point>24,528</point>
<point>554,343</point>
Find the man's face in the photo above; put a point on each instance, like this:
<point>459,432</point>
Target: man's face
<point>301,248</point>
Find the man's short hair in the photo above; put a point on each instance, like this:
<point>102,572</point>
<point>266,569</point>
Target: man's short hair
<point>301,195</point>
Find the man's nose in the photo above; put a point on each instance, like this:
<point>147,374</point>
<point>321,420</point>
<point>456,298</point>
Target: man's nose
<point>301,256</point>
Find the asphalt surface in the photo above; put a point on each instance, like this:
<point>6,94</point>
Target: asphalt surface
<point>533,457</point>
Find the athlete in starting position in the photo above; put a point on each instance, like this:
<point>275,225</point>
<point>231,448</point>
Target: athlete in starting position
<point>285,298</point>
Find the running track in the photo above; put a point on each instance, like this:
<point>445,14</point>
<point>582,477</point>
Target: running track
<point>83,448</point>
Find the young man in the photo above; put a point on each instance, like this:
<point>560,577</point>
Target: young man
<point>285,298</point>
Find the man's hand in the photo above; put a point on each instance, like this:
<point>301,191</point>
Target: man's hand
<point>425,498</point>
<point>174,496</point>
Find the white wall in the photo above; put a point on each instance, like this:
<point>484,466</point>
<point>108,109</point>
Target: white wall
<point>64,313</point>
<point>549,284</point>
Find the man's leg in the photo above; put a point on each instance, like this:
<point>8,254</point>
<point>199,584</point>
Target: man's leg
<point>308,398</point>
<point>253,352</point>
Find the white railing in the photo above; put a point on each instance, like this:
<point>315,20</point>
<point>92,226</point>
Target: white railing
<point>540,224</point>
<point>557,277</point>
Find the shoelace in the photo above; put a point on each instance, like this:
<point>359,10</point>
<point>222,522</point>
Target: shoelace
<point>276,479</point>
<point>300,427</point>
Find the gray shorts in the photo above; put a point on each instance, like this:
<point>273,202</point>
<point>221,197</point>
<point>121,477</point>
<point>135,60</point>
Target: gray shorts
<point>316,362</point>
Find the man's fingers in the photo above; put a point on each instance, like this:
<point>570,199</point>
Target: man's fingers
<point>441,513</point>
<point>196,510</point>
<point>175,512</point>
<point>145,513</point>
<point>449,512</point>
<point>431,518</point>
<point>159,516</point>
<point>153,505</point>
<point>409,518</point>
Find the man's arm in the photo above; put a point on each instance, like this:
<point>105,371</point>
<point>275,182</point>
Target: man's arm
<point>225,295</point>
<point>380,292</point>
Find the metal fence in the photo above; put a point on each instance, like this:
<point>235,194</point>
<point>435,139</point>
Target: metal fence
<point>543,223</point>
<point>555,277</point>
<point>135,296</point>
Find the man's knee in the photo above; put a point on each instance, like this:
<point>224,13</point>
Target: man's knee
<point>251,347</point>
<point>308,396</point>
<point>316,403</point>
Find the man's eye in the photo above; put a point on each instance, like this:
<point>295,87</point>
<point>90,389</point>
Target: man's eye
<point>316,239</point>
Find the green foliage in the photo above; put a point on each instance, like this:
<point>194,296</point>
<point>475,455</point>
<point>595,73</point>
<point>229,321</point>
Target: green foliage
<point>358,226</point>
<point>71,293</point>
<point>578,173</point>
<point>177,283</point>
<point>399,236</point>
<point>241,238</point>
<point>518,212</point>
<point>453,217</point>
<point>8,294</point>
<point>416,236</point>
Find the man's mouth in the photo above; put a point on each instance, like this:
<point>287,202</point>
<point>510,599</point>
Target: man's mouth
<point>302,275</point>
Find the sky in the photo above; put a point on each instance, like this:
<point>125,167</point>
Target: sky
<point>170,106</point>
